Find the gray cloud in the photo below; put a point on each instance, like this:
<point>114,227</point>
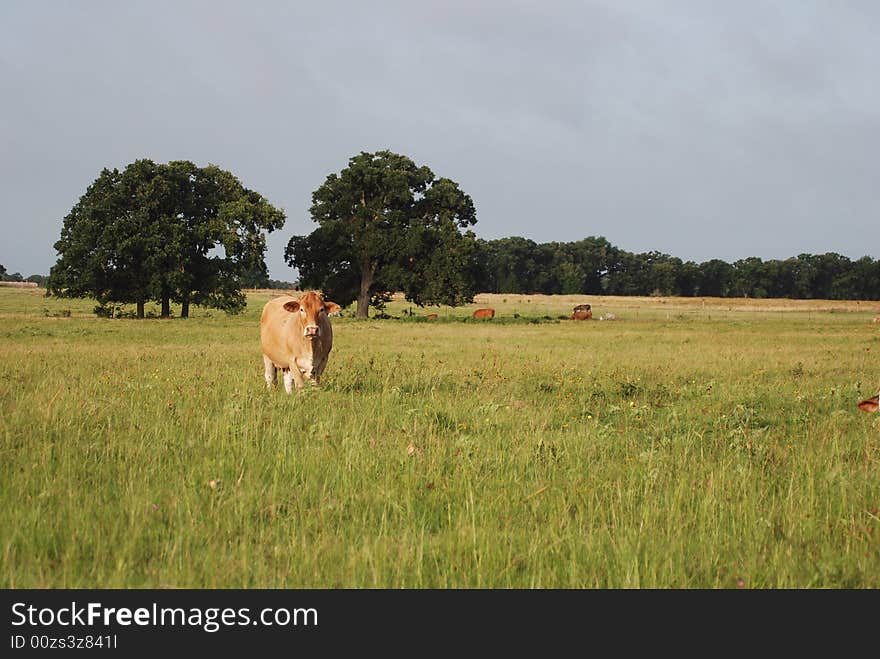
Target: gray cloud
<point>701,129</point>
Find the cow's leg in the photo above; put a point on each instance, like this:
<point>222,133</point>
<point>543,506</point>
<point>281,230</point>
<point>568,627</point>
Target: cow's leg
<point>292,376</point>
<point>270,370</point>
<point>317,371</point>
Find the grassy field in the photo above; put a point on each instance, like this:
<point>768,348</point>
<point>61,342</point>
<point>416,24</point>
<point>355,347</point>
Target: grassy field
<point>688,443</point>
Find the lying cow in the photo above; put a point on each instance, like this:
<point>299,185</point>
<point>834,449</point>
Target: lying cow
<point>484,313</point>
<point>297,338</point>
<point>581,315</point>
<point>870,404</point>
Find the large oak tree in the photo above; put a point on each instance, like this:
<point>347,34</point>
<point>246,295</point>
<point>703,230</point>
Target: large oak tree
<point>164,232</point>
<point>386,224</point>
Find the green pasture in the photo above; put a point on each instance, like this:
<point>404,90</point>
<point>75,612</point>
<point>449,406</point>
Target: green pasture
<point>684,444</point>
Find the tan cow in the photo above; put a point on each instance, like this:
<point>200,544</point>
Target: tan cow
<point>870,404</point>
<point>297,338</point>
<point>484,313</point>
<point>432,316</point>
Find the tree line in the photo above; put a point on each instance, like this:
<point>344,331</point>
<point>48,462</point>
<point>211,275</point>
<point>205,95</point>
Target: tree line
<point>39,280</point>
<point>595,266</point>
<point>185,234</point>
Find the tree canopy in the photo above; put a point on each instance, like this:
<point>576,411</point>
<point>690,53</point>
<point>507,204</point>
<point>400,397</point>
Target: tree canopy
<point>386,224</point>
<point>164,232</point>
<point>179,233</point>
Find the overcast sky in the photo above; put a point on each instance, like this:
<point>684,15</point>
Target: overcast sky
<point>703,129</point>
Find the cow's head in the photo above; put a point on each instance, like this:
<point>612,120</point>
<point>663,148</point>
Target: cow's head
<point>309,308</point>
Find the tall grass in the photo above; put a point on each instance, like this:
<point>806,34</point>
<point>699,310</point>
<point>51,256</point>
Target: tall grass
<point>714,449</point>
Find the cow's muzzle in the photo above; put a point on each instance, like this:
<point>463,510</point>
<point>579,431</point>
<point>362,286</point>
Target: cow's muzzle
<point>311,331</point>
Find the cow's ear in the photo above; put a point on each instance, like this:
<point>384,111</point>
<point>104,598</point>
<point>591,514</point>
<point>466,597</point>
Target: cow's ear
<point>292,306</point>
<point>870,404</point>
<point>331,308</point>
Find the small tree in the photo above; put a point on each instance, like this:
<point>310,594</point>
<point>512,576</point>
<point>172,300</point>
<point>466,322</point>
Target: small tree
<point>386,224</point>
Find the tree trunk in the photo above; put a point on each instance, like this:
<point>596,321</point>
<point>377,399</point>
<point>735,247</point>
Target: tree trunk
<point>166,305</point>
<point>184,308</point>
<point>363,306</point>
<point>140,309</point>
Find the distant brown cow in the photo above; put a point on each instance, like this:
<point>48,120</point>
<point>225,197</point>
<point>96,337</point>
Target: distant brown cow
<point>431,316</point>
<point>484,313</point>
<point>582,315</point>
<point>870,404</point>
<point>297,338</point>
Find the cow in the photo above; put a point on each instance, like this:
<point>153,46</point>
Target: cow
<point>581,315</point>
<point>484,313</point>
<point>297,338</point>
<point>870,404</point>
<point>431,316</point>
